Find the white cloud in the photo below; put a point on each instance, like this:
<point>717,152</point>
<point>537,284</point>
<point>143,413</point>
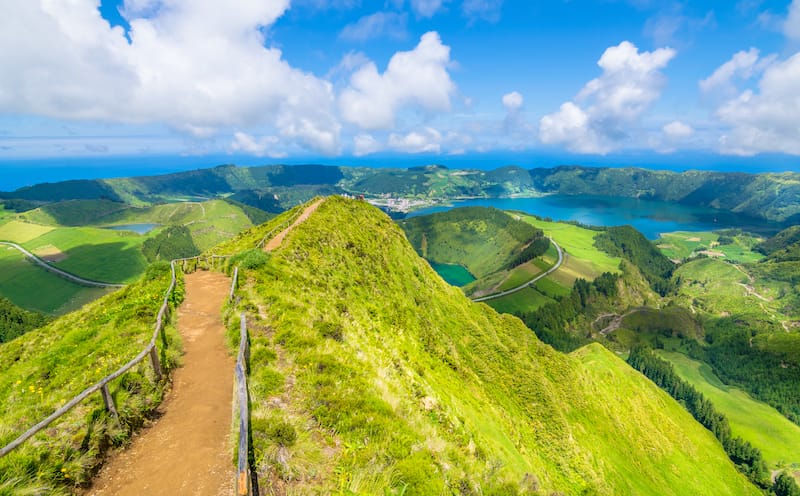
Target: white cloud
<point>571,126</point>
<point>427,140</point>
<point>765,120</point>
<point>418,77</point>
<point>365,144</point>
<point>677,130</point>
<point>512,101</point>
<point>742,66</point>
<point>197,65</point>
<point>265,146</point>
<point>791,27</point>
<point>611,104</point>
<point>426,8</point>
<point>488,10</point>
<point>381,24</point>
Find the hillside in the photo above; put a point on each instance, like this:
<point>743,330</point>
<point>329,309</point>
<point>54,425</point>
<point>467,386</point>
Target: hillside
<point>275,188</point>
<point>484,240</point>
<point>370,375</point>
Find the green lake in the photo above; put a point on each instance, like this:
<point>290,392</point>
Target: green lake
<point>455,275</point>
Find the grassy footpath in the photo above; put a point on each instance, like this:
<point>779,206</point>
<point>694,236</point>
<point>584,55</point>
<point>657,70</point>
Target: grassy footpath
<point>46,367</point>
<point>22,282</point>
<point>754,421</point>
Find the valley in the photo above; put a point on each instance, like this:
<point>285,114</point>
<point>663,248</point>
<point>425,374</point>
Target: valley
<point>360,352</point>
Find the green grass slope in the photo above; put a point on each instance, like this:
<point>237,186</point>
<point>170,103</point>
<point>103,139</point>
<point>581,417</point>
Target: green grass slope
<point>46,367</point>
<point>370,375</point>
<point>775,435</point>
<point>484,240</point>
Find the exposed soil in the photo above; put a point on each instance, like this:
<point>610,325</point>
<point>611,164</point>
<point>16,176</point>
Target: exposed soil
<point>188,449</point>
<point>277,240</point>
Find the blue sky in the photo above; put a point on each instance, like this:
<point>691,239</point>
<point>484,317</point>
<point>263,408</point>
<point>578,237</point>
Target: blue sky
<point>273,80</point>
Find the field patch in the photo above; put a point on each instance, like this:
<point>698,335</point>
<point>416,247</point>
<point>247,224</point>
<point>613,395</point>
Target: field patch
<point>736,246</point>
<point>34,288</point>
<point>50,253</point>
<point>22,232</point>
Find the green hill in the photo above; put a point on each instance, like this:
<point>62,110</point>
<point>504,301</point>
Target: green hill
<point>370,375</point>
<point>484,240</point>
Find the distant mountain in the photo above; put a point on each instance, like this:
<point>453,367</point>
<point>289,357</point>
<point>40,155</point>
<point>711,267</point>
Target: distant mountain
<point>770,196</point>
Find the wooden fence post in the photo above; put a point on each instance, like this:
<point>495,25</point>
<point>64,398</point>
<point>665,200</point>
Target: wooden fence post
<point>109,401</point>
<point>155,363</point>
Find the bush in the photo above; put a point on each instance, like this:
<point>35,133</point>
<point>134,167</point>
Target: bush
<point>283,433</point>
<point>250,259</point>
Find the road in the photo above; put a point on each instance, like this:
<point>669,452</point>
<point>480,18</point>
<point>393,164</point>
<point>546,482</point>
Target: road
<point>56,270</point>
<point>532,281</point>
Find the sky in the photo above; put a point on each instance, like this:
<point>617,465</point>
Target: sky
<point>339,80</point>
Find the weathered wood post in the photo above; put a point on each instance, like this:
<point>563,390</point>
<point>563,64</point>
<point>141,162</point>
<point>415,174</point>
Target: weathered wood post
<point>109,401</point>
<point>155,362</point>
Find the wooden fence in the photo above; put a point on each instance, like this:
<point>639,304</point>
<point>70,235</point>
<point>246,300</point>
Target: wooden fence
<point>280,227</point>
<point>150,351</point>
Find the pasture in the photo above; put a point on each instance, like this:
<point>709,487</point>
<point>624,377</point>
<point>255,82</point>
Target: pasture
<point>775,435</point>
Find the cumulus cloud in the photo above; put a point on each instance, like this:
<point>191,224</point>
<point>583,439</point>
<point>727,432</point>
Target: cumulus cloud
<point>765,119</point>
<point>427,140</point>
<point>512,101</point>
<point>196,65</point>
<point>365,144</point>
<point>677,130</point>
<point>742,66</point>
<point>418,77</point>
<point>381,24</point>
<point>607,109</point>
<point>264,146</point>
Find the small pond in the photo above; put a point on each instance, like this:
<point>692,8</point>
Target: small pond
<point>455,275</point>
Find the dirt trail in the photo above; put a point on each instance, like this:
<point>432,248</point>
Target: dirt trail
<point>187,451</point>
<point>277,240</point>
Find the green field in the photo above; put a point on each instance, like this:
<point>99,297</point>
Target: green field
<point>520,275</point>
<point>681,245</point>
<point>776,436</point>
<point>33,288</point>
<point>98,254</point>
<point>524,300</point>
<point>578,242</point>
<point>21,232</point>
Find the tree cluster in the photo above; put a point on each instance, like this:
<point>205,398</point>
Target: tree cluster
<point>550,321</point>
<point>173,242</point>
<point>14,321</point>
<point>628,243</point>
<point>536,248</point>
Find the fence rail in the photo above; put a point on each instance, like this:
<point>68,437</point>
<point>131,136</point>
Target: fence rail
<point>243,480</point>
<point>149,351</point>
<point>279,228</point>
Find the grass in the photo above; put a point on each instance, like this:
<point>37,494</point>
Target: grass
<point>21,232</point>
<point>520,275</point>
<point>578,242</point>
<point>99,254</point>
<point>33,288</point>
<point>46,367</point>
<point>524,300</point>
<point>776,436</point>
<point>681,245</point>
<point>395,383</point>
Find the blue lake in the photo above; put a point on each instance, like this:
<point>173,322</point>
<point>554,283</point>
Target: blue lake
<point>648,216</point>
<point>137,228</point>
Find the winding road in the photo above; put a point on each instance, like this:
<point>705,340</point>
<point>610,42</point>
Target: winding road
<point>532,281</point>
<point>62,273</point>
